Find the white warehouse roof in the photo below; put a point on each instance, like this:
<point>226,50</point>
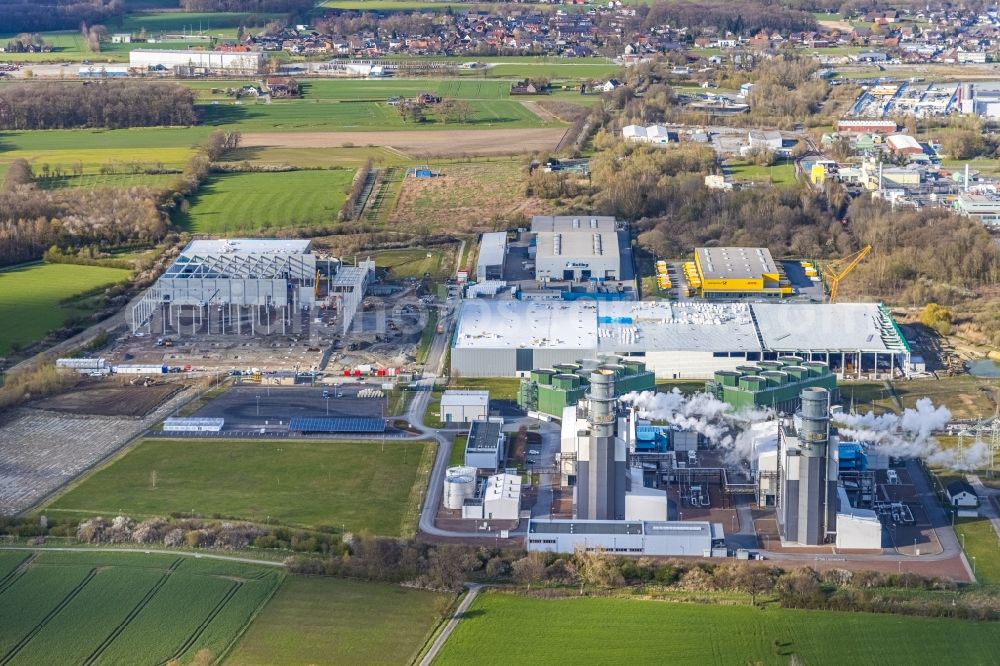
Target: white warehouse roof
<point>465,398</point>
<point>624,326</point>
<point>246,246</point>
<point>492,249</point>
<point>573,223</point>
<point>577,245</point>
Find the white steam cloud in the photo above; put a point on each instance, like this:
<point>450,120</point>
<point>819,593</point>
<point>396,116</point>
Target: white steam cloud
<point>908,435</point>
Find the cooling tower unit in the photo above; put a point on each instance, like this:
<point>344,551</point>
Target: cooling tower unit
<point>601,477</point>
<point>459,485</point>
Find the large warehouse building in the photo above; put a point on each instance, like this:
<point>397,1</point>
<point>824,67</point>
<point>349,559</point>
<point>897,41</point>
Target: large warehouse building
<point>191,63</point>
<point>248,286</point>
<point>685,340</point>
<point>734,272</point>
<point>577,248</point>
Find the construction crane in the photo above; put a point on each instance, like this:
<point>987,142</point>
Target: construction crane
<point>836,271</point>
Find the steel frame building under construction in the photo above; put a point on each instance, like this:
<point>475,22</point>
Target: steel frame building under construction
<point>248,286</point>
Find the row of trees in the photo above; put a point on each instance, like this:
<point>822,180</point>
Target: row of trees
<point>111,104</point>
<point>43,15</point>
<point>250,6</point>
<point>746,17</point>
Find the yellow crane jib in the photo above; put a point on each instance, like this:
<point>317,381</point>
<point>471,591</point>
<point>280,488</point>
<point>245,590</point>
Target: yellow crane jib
<point>836,271</point>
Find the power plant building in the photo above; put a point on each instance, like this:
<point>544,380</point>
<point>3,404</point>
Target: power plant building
<point>551,390</point>
<point>771,384</point>
<point>659,538</point>
<point>485,446</point>
<point>675,340</point>
<point>248,285</point>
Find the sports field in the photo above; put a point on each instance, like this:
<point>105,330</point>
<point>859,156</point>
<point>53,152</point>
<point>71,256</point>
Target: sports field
<point>295,482</point>
<point>333,621</point>
<point>260,203</point>
<point>31,296</point>
<point>649,632</point>
<point>124,608</point>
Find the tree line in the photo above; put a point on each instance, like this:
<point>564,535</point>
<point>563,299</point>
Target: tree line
<point>44,15</point>
<point>34,220</point>
<point>248,6</point>
<point>111,104</point>
<point>739,18</point>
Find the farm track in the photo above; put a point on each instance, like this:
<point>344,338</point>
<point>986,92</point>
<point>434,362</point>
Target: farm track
<point>48,618</point>
<point>200,629</point>
<point>15,574</point>
<point>366,192</point>
<point>117,631</point>
<point>376,211</point>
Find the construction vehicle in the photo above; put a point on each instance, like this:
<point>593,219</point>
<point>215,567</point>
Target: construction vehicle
<point>836,271</point>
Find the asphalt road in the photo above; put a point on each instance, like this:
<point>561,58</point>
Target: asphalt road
<point>452,623</point>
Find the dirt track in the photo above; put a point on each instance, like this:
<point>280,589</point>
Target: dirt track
<point>418,143</point>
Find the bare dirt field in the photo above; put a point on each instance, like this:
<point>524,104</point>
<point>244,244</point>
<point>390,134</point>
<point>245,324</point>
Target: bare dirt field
<point>109,397</point>
<point>466,198</point>
<point>419,143</point>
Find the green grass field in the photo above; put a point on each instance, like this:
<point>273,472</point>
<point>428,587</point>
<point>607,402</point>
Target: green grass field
<point>97,180</point>
<point>332,621</point>
<point>264,202</point>
<point>779,174</point>
<point>296,482</point>
<point>982,543</point>
<point>351,157</point>
<point>30,298</point>
<point>110,608</point>
<point>408,263</point>
<point>325,115</point>
<point>500,388</point>
<point>564,69</point>
<point>649,632</point>
<point>381,89</point>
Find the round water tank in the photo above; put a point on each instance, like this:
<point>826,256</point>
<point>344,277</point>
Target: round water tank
<point>459,485</point>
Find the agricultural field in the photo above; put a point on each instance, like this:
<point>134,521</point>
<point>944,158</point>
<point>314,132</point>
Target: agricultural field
<point>359,89</point>
<point>261,203</point>
<point>967,397</point>
<point>33,298</point>
<point>466,198</point>
<point>313,115</point>
<point>574,629</point>
<point>108,608</point>
<point>304,483</point>
<point>350,157</point>
<point>555,70</point>
<point>333,621</point>
<point>97,180</point>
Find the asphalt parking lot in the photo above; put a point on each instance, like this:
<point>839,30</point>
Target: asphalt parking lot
<point>250,407</point>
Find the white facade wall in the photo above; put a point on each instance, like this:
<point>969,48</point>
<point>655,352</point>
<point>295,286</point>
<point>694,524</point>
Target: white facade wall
<point>688,364</point>
<point>859,532</point>
<point>463,413</point>
<point>212,61</point>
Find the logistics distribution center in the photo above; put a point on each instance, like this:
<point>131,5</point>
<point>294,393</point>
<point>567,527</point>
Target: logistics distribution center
<point>675,340</point>
<point>732,272</point>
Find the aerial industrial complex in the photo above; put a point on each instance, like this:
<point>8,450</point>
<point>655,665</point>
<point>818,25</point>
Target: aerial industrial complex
<point>675,340</point>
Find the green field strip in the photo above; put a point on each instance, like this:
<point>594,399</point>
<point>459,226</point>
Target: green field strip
<point>232,618</point>
<point>16,565</point>
<point>40,626</point>
<point>117,631</point>
<point>200,629</point>
<point>31,597</point>
<point>169,619</point>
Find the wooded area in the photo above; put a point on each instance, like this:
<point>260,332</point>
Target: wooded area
<point>30,16</point>
<point>110,104</point>
<point>261,6</point>
<point>723,16</point>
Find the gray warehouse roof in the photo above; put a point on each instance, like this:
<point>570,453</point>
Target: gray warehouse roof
<point>484,436</point>
<point>689,528</point>
<point>492,249</point>
<point>622,326</point>
<point>577,245</point>
<point>827,327</point>
<point>572,223</point>
<point>735,262</point>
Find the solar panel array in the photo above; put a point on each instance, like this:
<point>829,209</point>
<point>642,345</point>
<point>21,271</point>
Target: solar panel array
<point>337,424</point>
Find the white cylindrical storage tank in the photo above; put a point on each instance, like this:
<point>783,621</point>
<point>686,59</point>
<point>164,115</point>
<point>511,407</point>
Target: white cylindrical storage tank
<point>459,485</point>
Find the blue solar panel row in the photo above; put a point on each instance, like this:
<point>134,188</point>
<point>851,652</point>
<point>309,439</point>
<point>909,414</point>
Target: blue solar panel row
<point>336,424</point>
